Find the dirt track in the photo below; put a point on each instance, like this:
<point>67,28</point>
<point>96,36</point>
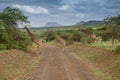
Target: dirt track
<point>58,64</point>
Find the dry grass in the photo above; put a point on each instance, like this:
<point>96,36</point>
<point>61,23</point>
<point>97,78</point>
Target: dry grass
<point>14,64</point>
<point>105,63</point>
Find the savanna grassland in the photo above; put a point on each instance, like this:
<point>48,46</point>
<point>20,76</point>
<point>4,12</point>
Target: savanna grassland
<point>89,53</point>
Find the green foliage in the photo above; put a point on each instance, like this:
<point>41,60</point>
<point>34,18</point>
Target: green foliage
<point>67,37</point>
<point>70,36</point>
<point>47,36</point>
<point>2,46</point>
<point>101,29</point>
<point>106,36</point>
<point>117,50</point>
<point>76,37</point>
<point>10,36</point>
<point>11,17</point>
<point>112,28</point>
<point>113,24</point>
<point>20,41</point>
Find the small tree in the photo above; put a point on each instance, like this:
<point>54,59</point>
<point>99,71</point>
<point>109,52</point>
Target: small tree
<point>10,35</point>
<point>11,17</point>
<point>113,27</point>
<point>113,24</point>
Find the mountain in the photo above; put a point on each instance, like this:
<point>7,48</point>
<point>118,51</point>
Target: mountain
<point>89,23</point>
<point>52,24</point>
<point>80,23</point>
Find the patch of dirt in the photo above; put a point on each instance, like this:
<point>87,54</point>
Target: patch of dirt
<point>15,63</point>
<point>58,64</point>
<point>104,60</point>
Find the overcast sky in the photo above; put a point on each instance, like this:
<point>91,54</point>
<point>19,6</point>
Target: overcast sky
<point>65,12</point>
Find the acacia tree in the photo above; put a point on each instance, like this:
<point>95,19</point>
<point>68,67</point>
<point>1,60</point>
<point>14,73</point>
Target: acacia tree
<point>9,20</point>
<point>11,17</point>
<point>113,24</point>
<point>113,28</point>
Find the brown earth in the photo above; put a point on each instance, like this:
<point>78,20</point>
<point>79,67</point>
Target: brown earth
<point>104,63</point>
<point>58,64</point>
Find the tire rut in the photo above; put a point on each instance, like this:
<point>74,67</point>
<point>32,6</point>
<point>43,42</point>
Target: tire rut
<point>58,64</point>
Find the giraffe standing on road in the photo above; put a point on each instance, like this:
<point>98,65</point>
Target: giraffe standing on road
<point>59,39</point>
<point>34,39</point>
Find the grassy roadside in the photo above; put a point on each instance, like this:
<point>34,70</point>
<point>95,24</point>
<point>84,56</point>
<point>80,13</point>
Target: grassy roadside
<point>15,64</point>
<point>3,51</point>
<point>105,64</point>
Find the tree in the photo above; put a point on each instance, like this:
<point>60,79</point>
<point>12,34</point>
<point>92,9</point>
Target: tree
<point>113,23</point>
<point>113,27</point>
<point>10,35</point>
<point>11,17</point>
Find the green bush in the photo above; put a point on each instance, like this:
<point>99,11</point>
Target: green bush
<point>76,37</point>
<point>117,50</point>
<point>18,41</point>
<point>106,36</point>
<point>2,46</point>
<point>47,36</point>
<point>65,36</point>
<point>4,37</point>
<point>26,42</point>
<point>10,36</point>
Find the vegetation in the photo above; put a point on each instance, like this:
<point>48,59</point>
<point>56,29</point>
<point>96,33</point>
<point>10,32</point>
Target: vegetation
<point>13,38</point>
<point>47,36</point>
<point>10,36</point>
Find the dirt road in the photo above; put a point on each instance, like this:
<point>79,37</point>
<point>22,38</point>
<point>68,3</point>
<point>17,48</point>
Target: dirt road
<point>58,64</point>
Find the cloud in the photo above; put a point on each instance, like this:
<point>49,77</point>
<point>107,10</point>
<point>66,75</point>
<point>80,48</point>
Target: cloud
<point>80,15</point>
<point>64,11</point>
<point>64,7</point>
<point>32,9</point>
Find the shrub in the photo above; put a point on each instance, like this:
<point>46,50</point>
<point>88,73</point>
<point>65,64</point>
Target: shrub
<point>76,37</point>
<point>106,36</point>
<point>117,50</point>
<point>20,41</point>
<point>65,36</point>
<point>10,36</point>
<point>47,36</point>
<point>2,46</point>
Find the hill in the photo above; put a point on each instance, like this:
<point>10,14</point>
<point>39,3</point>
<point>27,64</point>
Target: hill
<point>89,23</point>
<point>52,24</point>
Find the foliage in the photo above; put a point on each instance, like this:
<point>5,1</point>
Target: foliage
<point>106,36</point>
<point>113,24</point>
<point>21,41</point>
<point>112,28</point>
<point>67,37</point>
<point>76,37</point>
<point>117,49</point>
<point>47,36</point>
<point>11,17</point>
<point>10,36</point>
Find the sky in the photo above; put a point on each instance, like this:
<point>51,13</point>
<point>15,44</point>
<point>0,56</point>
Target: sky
<point>64,12</point>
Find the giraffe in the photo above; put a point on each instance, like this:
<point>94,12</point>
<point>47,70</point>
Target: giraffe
<point>59,39</point>
<point>33,38</point>
<point>115,38</point>
<point>90,34</point>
